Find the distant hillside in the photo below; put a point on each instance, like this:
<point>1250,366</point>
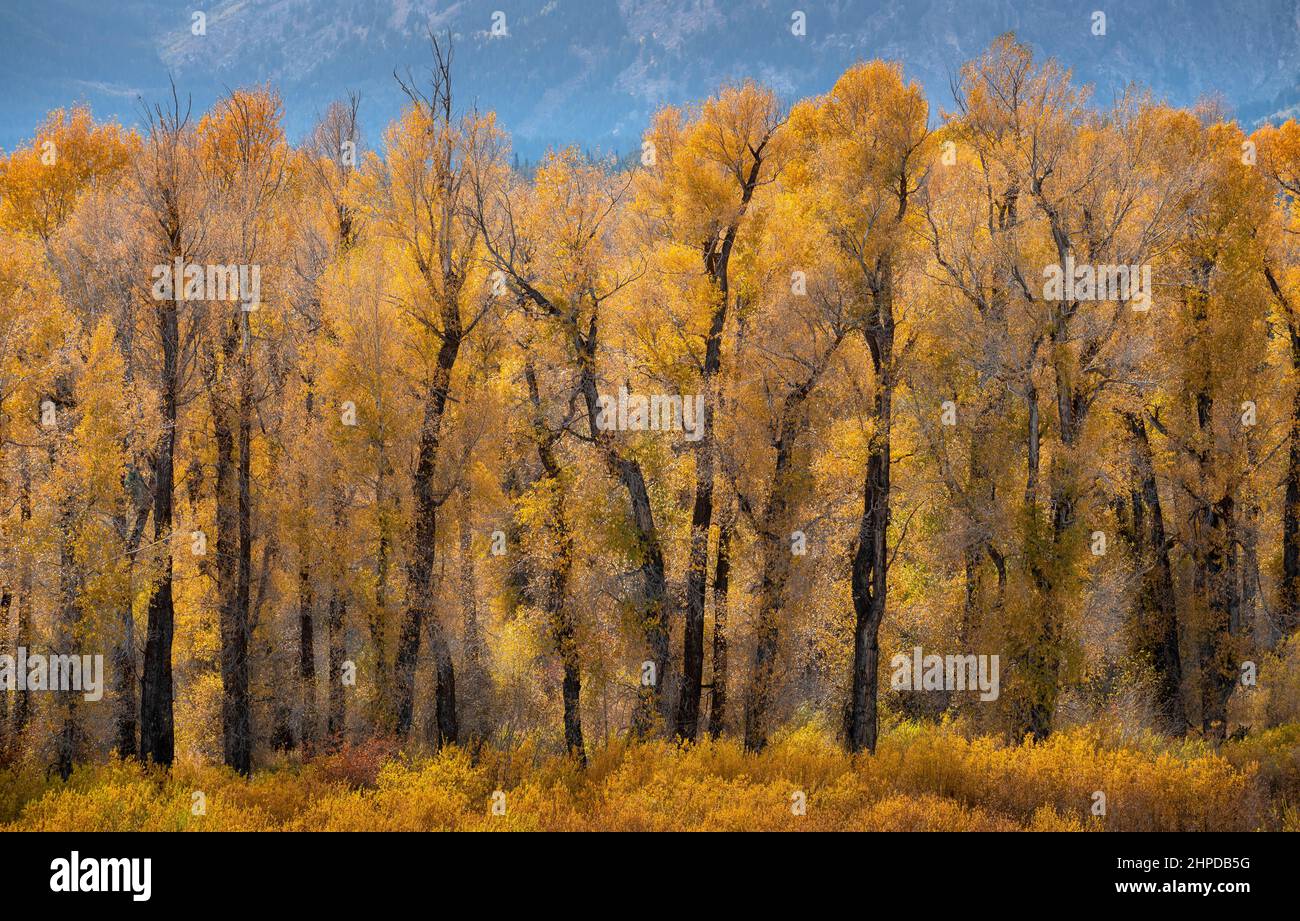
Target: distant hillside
<point>591,71</point>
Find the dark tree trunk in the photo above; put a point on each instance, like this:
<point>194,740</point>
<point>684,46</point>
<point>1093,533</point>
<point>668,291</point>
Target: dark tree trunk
<point>336,701</point>
<point>335,697</point>
<point>229,576</point>
<point>157,733</point>
<point>1289,615</point>
<point>870,572</point>
<point>306,655</point>
<point>125,725</point>
<point>721,588</point>
<point>306,611</point>
<point>446,720</point>
<point>23,615</point>
<point>717,265</point>
<point>476,682</point>
<point>420,569</point>
<point>383,710</point>
<point>227,382</point>
<point>652,702</point>
<point>69,731</point>
<point>774,533</point>
<point>125,674</point>
<point>1289,601</point>
<point>1217,659</point>
<point>240,750</point>
<point>775,571</point>
<point>556,577</point>
<point>1155,625</point>
<point>1214,544</point>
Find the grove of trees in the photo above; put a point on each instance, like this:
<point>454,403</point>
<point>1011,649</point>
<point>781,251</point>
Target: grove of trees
<point>384,498</point>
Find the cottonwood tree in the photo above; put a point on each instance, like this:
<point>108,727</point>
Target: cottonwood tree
<point>422,209</point>
<point>696,196</point>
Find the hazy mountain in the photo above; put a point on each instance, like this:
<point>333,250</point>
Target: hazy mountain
<point>591,71</point>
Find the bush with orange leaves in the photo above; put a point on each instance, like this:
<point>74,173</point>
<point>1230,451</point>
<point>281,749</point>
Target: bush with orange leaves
<point>922,778</point>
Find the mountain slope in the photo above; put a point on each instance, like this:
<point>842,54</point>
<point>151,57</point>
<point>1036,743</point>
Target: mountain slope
<point>591,71</point>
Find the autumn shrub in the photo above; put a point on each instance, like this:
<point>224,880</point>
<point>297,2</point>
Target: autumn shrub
<point>356,764</point>
<point>921,778</point>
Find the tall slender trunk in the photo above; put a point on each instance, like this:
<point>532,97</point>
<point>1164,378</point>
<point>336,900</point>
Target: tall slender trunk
<point>774,575</point>
<point>157,732</point>
<point>475,682</point>
<point>125,725</point>
<point>717,265</point>
<point>229,436</point>
<point>23,615</point>
<point>721,588</point>
<point>1289,600</point>
<point>774,534</point>
<point>1289,616</point>
<point>379,616</point>
<point>67,642</point>
<point>556,577</point>
<point>240,753</point>
<point>420,569</point>
<point>869,580</point>
<point>1215,538</point>
<point>652,703</point>
<point>336,701</point>
<point>688,702</point>
<point>1155,615</point>
<point>306,611</point>
<point>306,655</point>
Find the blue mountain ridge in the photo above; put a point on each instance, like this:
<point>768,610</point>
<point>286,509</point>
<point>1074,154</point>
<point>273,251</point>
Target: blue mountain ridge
<point>590,72</point>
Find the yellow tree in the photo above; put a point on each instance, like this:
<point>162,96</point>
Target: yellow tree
<point>40,184</point>
<point>242,155</point>
<point>1277,151</point>
<point>864,162</point>
<point>702,173</point>
<point>420,206</point>
<point>555,247</point>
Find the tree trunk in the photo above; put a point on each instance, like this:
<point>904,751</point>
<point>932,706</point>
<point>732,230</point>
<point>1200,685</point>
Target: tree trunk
<point>652,702</point>
<point>306,609</point>
<point>556,578</point>
<point>476,681</point>
<point>420,569</point>
<point>717,265</point>
<point>157,733</point>
<point>66,641</point>
<point>379,616</point>
<point>869,585</point>
<point>1155,612</point>
<point>23,616</point>
<point>775,535</point>
<point>335,699</point>
<point>306,655</point>
<point>721,588</point>
<point>230,436</point>
<point>1289,615</point>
